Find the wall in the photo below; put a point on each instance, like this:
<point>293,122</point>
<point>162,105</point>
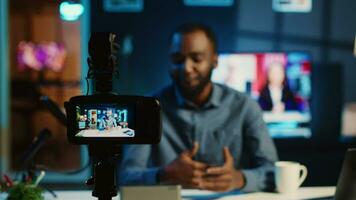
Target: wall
<point>4,91</point>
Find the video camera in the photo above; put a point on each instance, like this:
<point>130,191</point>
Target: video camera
<point>105,120</point>
<point>109,118</point>
<point>105,117</point>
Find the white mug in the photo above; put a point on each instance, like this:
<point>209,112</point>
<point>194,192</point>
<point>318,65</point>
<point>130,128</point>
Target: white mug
<point>288,176</point>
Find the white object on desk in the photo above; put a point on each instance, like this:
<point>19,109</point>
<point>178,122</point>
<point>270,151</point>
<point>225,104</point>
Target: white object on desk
<point>348,126</point>
<point>288,177</point>
<point>159,192</point>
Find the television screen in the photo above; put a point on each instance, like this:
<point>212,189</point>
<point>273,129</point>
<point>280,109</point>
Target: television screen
<point>105,120</point>
<point>279,82</point>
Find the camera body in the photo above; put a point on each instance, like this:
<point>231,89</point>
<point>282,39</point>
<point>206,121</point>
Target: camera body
<point>104,120</point>
<point>113,119</point>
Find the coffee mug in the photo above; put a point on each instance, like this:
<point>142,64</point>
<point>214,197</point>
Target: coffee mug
<point>289,176</point>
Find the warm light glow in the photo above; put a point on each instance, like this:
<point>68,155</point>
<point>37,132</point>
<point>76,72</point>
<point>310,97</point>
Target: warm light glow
<point>70,11</point>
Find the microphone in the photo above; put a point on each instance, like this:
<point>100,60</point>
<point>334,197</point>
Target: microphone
<point>54,109</point>
<point>36,145</point>
<point>103,62</point>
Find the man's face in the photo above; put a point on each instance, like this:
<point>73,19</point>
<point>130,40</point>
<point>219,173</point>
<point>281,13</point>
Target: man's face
<point>193,60</point>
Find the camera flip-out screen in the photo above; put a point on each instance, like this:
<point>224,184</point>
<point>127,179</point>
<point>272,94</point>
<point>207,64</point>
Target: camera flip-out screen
<point>105,120</point>
<point>112,118</point>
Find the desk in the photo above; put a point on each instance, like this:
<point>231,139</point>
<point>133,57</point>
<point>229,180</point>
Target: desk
<point>303,193</point>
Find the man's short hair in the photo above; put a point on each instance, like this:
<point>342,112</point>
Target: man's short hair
<point>192,27</point>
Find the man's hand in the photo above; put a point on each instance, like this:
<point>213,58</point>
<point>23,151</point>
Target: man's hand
<point>184,170</point>
<point>223,178</point>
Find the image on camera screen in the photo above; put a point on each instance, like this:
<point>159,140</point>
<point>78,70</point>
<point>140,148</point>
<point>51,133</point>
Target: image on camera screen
<point>108,120</point>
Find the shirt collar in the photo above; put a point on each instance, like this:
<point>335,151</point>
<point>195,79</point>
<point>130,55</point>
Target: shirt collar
<point>214,99</point>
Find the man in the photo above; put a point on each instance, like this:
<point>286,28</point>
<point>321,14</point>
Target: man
<point>213,138</point>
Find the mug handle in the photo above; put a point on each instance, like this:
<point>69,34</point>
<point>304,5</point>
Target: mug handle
<point>304,170</point>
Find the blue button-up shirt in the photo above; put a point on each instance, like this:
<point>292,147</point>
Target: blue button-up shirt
<point>229,118</point>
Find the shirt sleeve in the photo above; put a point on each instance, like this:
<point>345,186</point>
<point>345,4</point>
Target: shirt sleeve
<point>134,166</point>
<point>260,149</point>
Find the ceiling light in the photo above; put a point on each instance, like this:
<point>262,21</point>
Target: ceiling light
<point>70,10</point>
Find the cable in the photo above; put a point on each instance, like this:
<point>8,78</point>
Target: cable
<point>87,80</point>
<point>71,172</point>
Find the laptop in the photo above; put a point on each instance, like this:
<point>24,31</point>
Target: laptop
<point>346,184</point>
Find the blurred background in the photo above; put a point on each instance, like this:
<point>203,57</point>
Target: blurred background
<point>43,51</point>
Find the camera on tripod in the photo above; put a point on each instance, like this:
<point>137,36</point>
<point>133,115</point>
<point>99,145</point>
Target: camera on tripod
<point>105,120</point>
